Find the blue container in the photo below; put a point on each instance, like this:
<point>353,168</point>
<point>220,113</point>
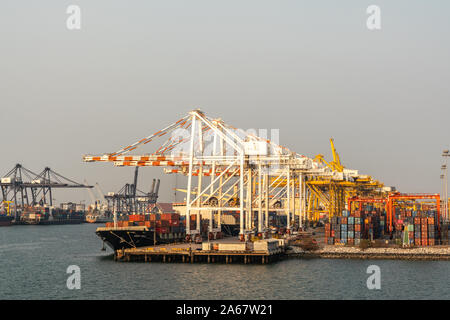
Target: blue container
<point>344,227</point>
<point>344,240</point>
<point>351,234</point>
<point>351,220</point>
<point>345,213</point>
<point>357,220</point>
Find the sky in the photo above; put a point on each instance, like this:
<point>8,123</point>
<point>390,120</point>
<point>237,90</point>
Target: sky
<point>311,69</point>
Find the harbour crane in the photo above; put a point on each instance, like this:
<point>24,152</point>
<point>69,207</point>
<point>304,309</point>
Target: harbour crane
<point>20,184</point>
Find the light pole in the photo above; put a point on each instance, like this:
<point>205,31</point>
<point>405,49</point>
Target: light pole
<point>445,154</point>
<point>443,195</point>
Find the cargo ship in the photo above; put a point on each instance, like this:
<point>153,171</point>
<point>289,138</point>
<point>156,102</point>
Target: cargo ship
<point>48,216</point>
<point>163,223</point>
<point>98,218</point>
<point>140,230</point>
<point>5,220</point>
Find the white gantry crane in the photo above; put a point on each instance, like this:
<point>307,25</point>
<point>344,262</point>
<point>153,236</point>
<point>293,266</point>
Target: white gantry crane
<point>228,169</point>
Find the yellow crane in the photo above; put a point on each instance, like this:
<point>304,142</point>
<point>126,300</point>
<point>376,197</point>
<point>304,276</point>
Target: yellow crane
<point>329,194</point>
<point>334,165</point>
<point>7,205</point>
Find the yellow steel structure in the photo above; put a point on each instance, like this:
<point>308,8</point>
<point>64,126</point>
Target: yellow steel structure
<point>329,194</point>
<point>7,205</point>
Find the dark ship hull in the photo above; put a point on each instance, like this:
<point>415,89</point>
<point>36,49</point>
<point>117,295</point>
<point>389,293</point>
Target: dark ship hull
<point>135,237</point>
<point>40,217</point>
<point>5,220</point>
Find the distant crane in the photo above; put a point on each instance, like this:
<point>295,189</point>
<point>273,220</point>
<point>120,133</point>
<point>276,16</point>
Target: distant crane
<point>129,199</point>
<point>20,183</point>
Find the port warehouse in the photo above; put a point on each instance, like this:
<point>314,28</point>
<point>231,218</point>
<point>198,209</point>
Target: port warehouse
<point>263,188</point>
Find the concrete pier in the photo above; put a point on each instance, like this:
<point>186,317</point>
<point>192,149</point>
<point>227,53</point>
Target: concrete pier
<point>193,253</point>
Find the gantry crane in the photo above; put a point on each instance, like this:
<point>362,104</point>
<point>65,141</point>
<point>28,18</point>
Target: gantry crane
<point>223,163</point>
<point>130,200</point>
<point>22,187</point>
<point>327,194</point>
<point>239,166</point>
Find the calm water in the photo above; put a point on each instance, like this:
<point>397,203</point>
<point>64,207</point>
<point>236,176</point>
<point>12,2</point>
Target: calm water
<point>34,259</point>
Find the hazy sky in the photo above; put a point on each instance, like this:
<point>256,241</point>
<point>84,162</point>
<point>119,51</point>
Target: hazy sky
<point>311,69</point>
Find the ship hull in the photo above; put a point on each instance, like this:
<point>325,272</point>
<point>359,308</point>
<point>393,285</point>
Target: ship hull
<point>6,221</point>
<point>135,237</point>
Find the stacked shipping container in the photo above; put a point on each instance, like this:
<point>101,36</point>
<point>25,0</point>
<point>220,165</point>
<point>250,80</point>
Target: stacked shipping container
<point>370,223</point>
<point>162,223</point>
<point>350,228</point>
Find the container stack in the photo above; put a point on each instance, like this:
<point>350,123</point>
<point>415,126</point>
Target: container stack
<point>162,223</point>
<point>351,227</point>
<point>370,223</point>
<point>421,225</point>
<point>425,231</point>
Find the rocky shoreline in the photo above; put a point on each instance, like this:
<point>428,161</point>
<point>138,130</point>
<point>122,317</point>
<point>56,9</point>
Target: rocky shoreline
<point>338,252</point>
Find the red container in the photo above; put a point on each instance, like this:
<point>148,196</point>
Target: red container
<point>357,214</point>
<point>136,217</point>
<point>162,223</point>
<point>174,223</point>
<point>343,220</point>
<point>164,230</point>
<point>358,227</point>
<point>424,220</point>
<point>165,216</point>
<point>431,221</point>
<point>431,242</point>
<point>332,233</point>
<point>416,220</point>
<point>424,242</point>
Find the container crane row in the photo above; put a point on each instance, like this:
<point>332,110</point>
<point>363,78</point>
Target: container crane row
<point>223,163</point>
